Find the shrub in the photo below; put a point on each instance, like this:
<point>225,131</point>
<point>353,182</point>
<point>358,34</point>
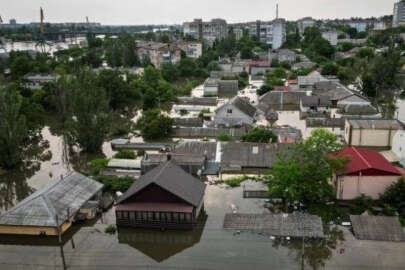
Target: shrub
<point>111,229</point>
<point>259,135</point>
<point>224,137</point>
<point>96,165</point>
<point>236,182</point>
<point>125,154</point>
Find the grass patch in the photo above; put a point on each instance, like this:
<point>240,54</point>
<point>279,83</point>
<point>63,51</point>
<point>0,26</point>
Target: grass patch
<point>111,229</point>
<point>96,165</point>
<point>125,154</point>
<point>236,182</point>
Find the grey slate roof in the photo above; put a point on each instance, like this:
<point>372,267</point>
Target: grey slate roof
<point>378,228</point>
<point>376,124</point>
<point>243,105</point>
<point>59,197</point>
<point>204,101</point>
<point>188,122</point>
<point>358,109</point>
<point>195,147</point>
<point>311,101</point>
<point>172,178</point>
<point>251,155</point>
<point>276,98</point>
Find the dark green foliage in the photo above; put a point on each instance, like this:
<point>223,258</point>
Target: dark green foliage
<point>264,89</point>
<point>236,182</point>
<point>346,46</point>
<point>260,136</point>
<point>170,72</point>
<point>125,154</point>
<point>13,128</point>
<point>224,137</point>
<point>112,184</point>
<point>303,174</point>
<point>110,229</point>
<point>395,196</point>
<point>365,53</point>
<point>330,69</point>
<point>361,204</point>
<point>96,165</point>
<point>154,125</point>
<point>90,121</point>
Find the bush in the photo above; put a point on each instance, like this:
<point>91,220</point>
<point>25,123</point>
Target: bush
<point>394,196</point>
<point>112,184</point>
<point>125,154</point>
<point>330,69</point>
<point>96,165</point>
<point>236,182</point>
<point>361,204</point>
<point>259,135</point>
<point>224,137</point>
<point>111,229</point>
<point>154,125</point>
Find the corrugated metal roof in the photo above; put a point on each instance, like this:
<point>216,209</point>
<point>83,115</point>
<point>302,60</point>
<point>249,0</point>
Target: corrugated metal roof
<point>125,163</point>
<point>376,124</point>
<point>58,198</point>
<point>377,228</point>
<point>363,160</point>
<point>172,178</point>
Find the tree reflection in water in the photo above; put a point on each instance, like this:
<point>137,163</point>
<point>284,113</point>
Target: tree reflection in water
<point>13,183</point>
<point>315,252</point>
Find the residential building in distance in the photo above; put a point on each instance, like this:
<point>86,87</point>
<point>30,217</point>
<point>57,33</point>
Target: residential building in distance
<point>238,33</point>
<point>37,81</point>
<point>305,23</point>
<point>209,31</point>
<point>191,49</point>
<point>368,173</point>
<point>158,53</point>
<point>399,14</point>
<point>286,55</point>
<point>331,36</point>
<point>236,112</point>
<point>272,33</point>
<point>166,197</point>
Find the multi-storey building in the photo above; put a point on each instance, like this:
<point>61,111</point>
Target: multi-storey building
<point>272,33</point>
<point>158,53</point>
<point>305,23</point>
<point>210,31</point>
<point>331,36</point>
<point>399,13</point>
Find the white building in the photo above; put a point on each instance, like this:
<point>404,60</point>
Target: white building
<point>399,13</point>
<point>279,33</point>
<point>331,36</point>
<point>304,23</point>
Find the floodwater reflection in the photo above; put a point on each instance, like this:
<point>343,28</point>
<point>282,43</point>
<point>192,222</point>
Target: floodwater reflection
<point>161,245</point>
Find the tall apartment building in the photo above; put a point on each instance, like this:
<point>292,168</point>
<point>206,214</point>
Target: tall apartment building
<point>304,23</point>
<point>210,31</point>
<point>272,33</point>
<point>399,13</point>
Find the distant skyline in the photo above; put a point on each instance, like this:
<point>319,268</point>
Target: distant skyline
<point>130,12</point>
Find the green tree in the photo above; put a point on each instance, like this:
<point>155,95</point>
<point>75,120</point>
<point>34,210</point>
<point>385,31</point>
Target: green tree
<point>13,128</point>
<point>154,125</point>
<point>169,72</point>
<point>330,69</point>
<point>224,137</point>
<point>90,123</point>
<point>303,174</point>
<point>260,135</point>
<point>394,196</point>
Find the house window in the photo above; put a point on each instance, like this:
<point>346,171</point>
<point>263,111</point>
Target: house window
<point>119,215</point>
<point>229,111</point>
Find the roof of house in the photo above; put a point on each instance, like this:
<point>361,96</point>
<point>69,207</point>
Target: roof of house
<point>208,149</point>
<point>124,163</point>
<point>172,178</point>
<point>188,122</point>
<point>251,155</point>
<point>378,228</point>
<point>310,101</point>
<point>180,159</point>
<point>364,161</point>
<point>375,124</point>
<point>62,198</point>
<point>242,104</point>
<point>207,101</point>
<point>359,109</point>
<point>259,64</point>
<point>281,98</point>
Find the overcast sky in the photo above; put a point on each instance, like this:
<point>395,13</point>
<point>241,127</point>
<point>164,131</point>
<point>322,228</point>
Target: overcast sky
<point>178,11</point>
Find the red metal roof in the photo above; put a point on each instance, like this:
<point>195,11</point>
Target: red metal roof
<point>367,162</point>
<point>282,88</point>
<point>259,64</point>
<point>155,207</point>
